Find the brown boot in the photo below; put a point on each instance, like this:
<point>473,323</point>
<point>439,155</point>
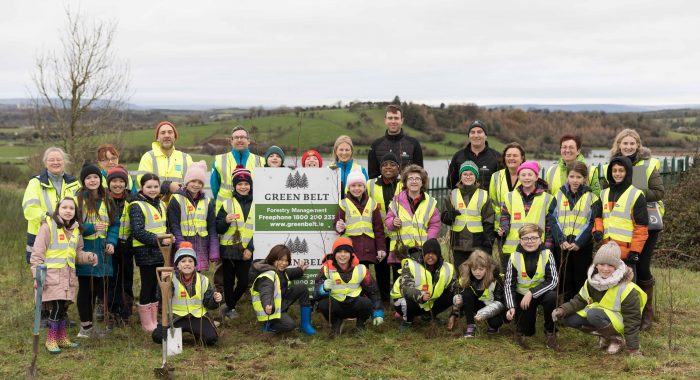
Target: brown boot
<point>610,340</point>
<point>648,312</point>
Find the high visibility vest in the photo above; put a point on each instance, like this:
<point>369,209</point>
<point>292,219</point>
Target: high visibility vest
<point>167,168</point>
<point>183,303</point>
<point>358,223</point>
<point>124,223</point>
<point>617,223</point>
<point>40,200</point>
<point>518,216</point>
<point>101,217</point>
<point>154,217</point>
<point>574,221</point>
<point>340,289</point>
<point>61,250</point>
<point>414,229</point>
<point>193,220</point>
<point>244,227</point>
<point>376,192</point>
<point>556,177</point>
<point>487,296</point>
<point>649,166</point>
<point>470,214</point>
<point>526,283</point>
<point>225,164</point>
<point>611,303</point>
<point>277,295</point>
<point>423,280</point>
<point>498,191</point>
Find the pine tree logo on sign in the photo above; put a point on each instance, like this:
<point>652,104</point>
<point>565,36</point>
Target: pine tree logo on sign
<point>297,245</point>
<point>297,181</point>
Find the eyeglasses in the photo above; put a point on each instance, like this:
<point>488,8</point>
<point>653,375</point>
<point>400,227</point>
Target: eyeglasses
<point>112,160</point>
<point>529,239</point>
<point>413,179</point>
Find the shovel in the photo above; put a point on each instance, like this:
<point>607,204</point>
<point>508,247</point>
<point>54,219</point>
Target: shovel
<point>165,281</point>
<point>40,277</point>
<point>166,250</point>
<point>174,337</point>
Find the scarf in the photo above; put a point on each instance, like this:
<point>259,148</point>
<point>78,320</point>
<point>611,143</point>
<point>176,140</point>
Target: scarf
<point>602,284</point>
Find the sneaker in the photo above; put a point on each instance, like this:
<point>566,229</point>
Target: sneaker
<point>550,341</point>
<point>91,333</point>
<point>231,314</point>
<point>470,332</point>
<point>100,312</point>
<point>491,330</point>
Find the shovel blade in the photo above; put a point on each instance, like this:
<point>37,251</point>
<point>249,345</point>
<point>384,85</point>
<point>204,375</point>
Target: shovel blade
<point>174,344</point>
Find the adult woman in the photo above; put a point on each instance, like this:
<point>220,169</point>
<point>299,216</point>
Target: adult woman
<point>108,158</point>
<point>505,180</point>
<point>343,155</point>
<point>44,191</point>
<point>629,144</point>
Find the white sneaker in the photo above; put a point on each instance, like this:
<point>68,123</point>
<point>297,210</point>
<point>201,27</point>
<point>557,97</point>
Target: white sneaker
<point>91,333</point>
<point>232,314</point>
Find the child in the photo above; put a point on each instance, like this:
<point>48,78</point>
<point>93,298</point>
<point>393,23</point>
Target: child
<point>479,293</point>
<point>192,217</point>
<point>469,214</point>
<point>100,234</point>
<point>234,221</point>
<point>59,245</point>
<point>272,294</point>
<point>531,280</point>
<point>311,159</point>
<point>274,157</point>
<point>192,296</point>
<point>359,218</point>
<point>147,215</point>
<point>344,278</point>
<point>609,304</point>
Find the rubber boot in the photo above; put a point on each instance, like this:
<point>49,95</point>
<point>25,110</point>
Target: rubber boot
<point>305,324</point>
<point>609,335</point>
<point>52,337</point>
<point>154,314</point>
<point>648,312</point>
<point>63,340</point>
<point>146,317</point>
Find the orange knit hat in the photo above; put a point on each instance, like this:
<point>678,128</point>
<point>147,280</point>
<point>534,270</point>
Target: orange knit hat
<point>162,123</point>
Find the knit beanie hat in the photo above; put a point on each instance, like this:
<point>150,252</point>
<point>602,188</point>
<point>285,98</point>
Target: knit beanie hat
<point>274,149</point>
<point>342,243</point>
<point>241,174</point>
<point>88,169</point>
<point>390,157</point>
<point>608,254</point>
<point>355,176</point>
<point>185,250</point>
<point>471,166</point>
<point>162,123</point>
<point>432,246</point>
<point>308,153</point>
<point>118,172</point>
<point>532,165</point>
<point>477,124</point>
<point>196,171</point>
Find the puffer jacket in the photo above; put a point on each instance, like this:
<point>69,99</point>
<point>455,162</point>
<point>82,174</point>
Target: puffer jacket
<point>408,283</point>
<point>403,199</point>
<point>492,308</point>
<point>149,253</point>
<point>465,240</point>
<point>206,247</point>
<point>655,191</point>
<point>368,284</point>
<point>265,286</point>
<point>540,188</point>
<point>365,247</point>
<point>234,252</point>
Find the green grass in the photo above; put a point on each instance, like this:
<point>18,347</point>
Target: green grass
<point>683,136</point>
<point>243,352</point>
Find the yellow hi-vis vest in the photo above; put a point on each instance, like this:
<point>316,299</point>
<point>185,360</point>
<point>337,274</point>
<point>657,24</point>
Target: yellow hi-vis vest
<point>469,215</point>
<point>100,217</point>
<point>183,303</point>
<point>244,227</point>
<point>358,223</point>
<point>487,296</point>
<point>617,223</point>
<point>573,221</point>
<point>193,220</point>
<point>498,191</point>
<point>155,219</point>
<point>414,229</point>
<point>556,177</point>
<point>611,303</point>
<point>225,164</point>
<point>40,200</point>
<point>376,192</point>
<point>424,281</point>
<point>526,283</point>
<point>518,217</point>
<point>649,166</point>
<point>124,223</point>
<point>61,250</point>
<point>340,289</point>
<point>277,295</point>
<point>167,168</point>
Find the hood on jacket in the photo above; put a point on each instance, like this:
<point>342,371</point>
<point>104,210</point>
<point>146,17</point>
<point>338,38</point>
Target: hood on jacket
<point>627,164</point>
<point>430,246</point>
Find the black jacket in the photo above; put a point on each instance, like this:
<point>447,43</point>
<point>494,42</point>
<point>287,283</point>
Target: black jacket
<point>407,150</point>
<point>531,259</point>
<point>265,286</point>
<point>488,161</point>
<point>234,252</point>
<point>149,253</point>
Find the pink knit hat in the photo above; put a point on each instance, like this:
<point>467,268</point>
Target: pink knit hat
<point>356,176</point>
<point>532,165</point>
<point>196,171</point>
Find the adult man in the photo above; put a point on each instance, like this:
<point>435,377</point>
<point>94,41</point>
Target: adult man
<point>570,149</point>
<point>164,160</point>
<point>407,149</point>
<point>224,164</point>
<point>488,160</point>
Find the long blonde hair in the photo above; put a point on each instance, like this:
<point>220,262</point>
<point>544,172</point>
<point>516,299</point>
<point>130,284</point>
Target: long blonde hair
<point>478,259</point>
<point>615,150</point>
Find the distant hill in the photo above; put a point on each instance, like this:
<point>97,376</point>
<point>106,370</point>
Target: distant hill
<point>610,108</point>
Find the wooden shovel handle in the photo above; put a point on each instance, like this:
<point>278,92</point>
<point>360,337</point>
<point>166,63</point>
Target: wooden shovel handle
<point>165,281</point>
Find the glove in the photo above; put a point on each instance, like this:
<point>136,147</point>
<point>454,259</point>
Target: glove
<point>340,225</point>
<point>327,284</point>
<point>381,255</point>
<point>597,236</point>
<point>457,300</point>
<point>378,317</point>
<point>632,258</point>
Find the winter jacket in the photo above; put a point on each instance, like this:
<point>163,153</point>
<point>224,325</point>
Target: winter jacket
<point>630,307</point>
<point>234,252</point>
<point>585,238</point>
<point>170,168</point>
<point>149,253</point>
<point>655,191</point>
<point>407,282</point>
<point>265,286</point>
<point>368,284</point>
<point>593,180</point>
<point>206,247</point>
<point>244,157</point>
<point>491,309</point>
<point>345,169</point>
<point>406,148</point>
<point>488,161</point>
<point>60,284</point>
<point>531,259</point>
<point>540,188</point>
<point>403,200</point>
<point>98,246</point>
<point>207,300</point>
<point>465,240</point>
<point>365,247</point>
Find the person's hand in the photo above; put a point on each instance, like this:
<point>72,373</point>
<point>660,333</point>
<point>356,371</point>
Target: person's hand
<point>574,247</point>
<point>558,313</point>
<point>381,255</point>
<point>340,225</point>
<point>510,313</point>
<point>478,317</point>
<point>247,254</point>
<point>303,264</point>
<point>597,236</point>
<point>397,222</point>
<point>500,231</point>
<point>167,241</point>
<point>174,186</point>
<point>457,300</point>
<point>327,284</point>
<point>109,249</point>
<point>525,302</point>
<point>230,218</point>
<point>268,309</point>
<point>632,258</point>
<point>100,227</point>
<point>93,260</point>
<point>425,297</point>
<point>217,297</point>
<point>377,321</point>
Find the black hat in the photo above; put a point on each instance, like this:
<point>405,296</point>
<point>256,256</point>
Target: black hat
<point>88,169</point>
<point>477,124</point>
<point>432,246</point>
<point>389,157</point>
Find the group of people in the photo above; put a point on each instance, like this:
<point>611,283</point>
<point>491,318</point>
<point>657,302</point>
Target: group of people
<point>517,238</point>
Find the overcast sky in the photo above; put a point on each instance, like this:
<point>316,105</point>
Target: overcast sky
<point>303,52</point>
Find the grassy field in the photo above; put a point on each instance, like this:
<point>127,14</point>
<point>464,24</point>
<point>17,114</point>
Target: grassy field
<point>243,352</point>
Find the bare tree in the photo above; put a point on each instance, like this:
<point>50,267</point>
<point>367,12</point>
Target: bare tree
<point>81,89</point>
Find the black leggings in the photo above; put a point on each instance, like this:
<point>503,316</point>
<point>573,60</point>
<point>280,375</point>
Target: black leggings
<point>149,284</point>
<point>57,309</point>
<point>644,263</point>
<point>120,289</point>
<point>471,304</point>
<point>202,328</point>
<point>89,288</point>
<point>575,270</point>
<point>235,274</point>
